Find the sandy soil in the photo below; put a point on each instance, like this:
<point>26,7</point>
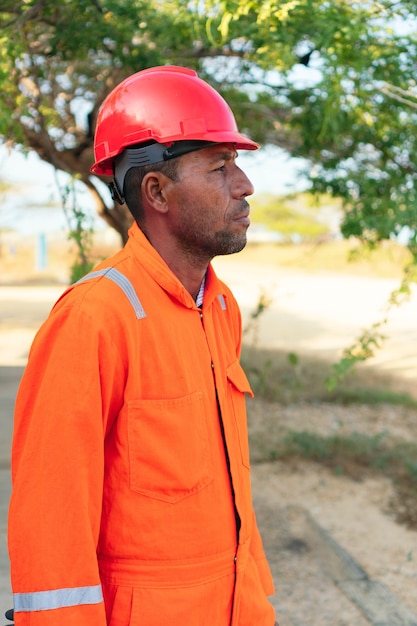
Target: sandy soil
<point>312,314</point>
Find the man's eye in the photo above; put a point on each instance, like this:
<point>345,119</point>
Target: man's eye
<point>220,169</point>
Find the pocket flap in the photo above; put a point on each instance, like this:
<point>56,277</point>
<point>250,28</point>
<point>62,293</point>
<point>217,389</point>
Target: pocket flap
<point>237,376</point>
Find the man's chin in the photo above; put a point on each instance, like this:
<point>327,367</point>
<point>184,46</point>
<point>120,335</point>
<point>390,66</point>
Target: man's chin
<point>234,245</point>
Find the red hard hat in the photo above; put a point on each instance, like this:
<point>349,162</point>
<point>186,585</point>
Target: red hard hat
<point>163,104</point>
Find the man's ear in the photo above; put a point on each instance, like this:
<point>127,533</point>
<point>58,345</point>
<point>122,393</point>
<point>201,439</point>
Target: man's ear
<point>154,191</point>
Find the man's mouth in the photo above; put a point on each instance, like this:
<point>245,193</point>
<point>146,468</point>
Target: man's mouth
<point>243,219</point>
<point>243,216</point>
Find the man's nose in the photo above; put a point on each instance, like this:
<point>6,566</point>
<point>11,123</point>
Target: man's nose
<point>243,186</point>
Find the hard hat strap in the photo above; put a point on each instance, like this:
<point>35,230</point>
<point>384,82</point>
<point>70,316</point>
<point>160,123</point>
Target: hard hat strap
<point>141,155</point>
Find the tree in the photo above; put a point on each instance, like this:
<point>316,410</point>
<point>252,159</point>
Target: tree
<point>329,80</point>
<point>353,114</point>
<point>58,61</point>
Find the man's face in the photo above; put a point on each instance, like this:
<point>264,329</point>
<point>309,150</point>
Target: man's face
<point>208,211</point>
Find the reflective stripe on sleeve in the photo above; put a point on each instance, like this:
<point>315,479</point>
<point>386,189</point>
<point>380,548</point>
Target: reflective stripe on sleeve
<point>124,284</point>
<point>57,598</point>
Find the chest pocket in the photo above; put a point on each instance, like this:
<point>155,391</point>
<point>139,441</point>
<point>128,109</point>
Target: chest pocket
<point>169,454</point>
<point>238,386</point>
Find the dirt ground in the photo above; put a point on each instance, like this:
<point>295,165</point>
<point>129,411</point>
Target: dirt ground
<point>310,314</point>
<point>358,512</point>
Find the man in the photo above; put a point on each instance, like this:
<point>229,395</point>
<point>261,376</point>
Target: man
<point>131,501</point>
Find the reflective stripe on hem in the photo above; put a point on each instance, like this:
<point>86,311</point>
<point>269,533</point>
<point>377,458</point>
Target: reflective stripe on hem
<point>124,284</point>
<point>57,598</point>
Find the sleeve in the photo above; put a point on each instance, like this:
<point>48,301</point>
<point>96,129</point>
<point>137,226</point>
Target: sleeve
<point>69,394</point>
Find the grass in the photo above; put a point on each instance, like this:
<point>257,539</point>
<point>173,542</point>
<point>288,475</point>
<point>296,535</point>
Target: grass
<point>358,395</point>
<point>359,455</point>
<point>346,257</point>
<point>285,379</point>
<point>288,216</point>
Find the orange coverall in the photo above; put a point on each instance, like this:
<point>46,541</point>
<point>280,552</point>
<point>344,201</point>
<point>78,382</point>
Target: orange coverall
<point>124,501</point>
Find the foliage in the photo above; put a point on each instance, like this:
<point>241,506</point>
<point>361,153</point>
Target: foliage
<point>372,338</point>
<point>331,81</point>
<point>290,219</point>
<point>288,378</point>
<point>59,60</point>
<point>362,448</point>
<point>341,256</point>
<point>251,329</point>
<point>353,113</point>
<point>356,455</point>
<point>80,230</point>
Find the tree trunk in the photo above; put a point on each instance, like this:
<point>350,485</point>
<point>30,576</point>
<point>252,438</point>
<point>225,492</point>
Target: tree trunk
<point>77,162</point>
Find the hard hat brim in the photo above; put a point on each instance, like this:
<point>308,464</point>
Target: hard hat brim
<point>240,142</point>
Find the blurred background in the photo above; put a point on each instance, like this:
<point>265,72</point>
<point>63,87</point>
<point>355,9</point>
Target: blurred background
<point>327,281</point>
